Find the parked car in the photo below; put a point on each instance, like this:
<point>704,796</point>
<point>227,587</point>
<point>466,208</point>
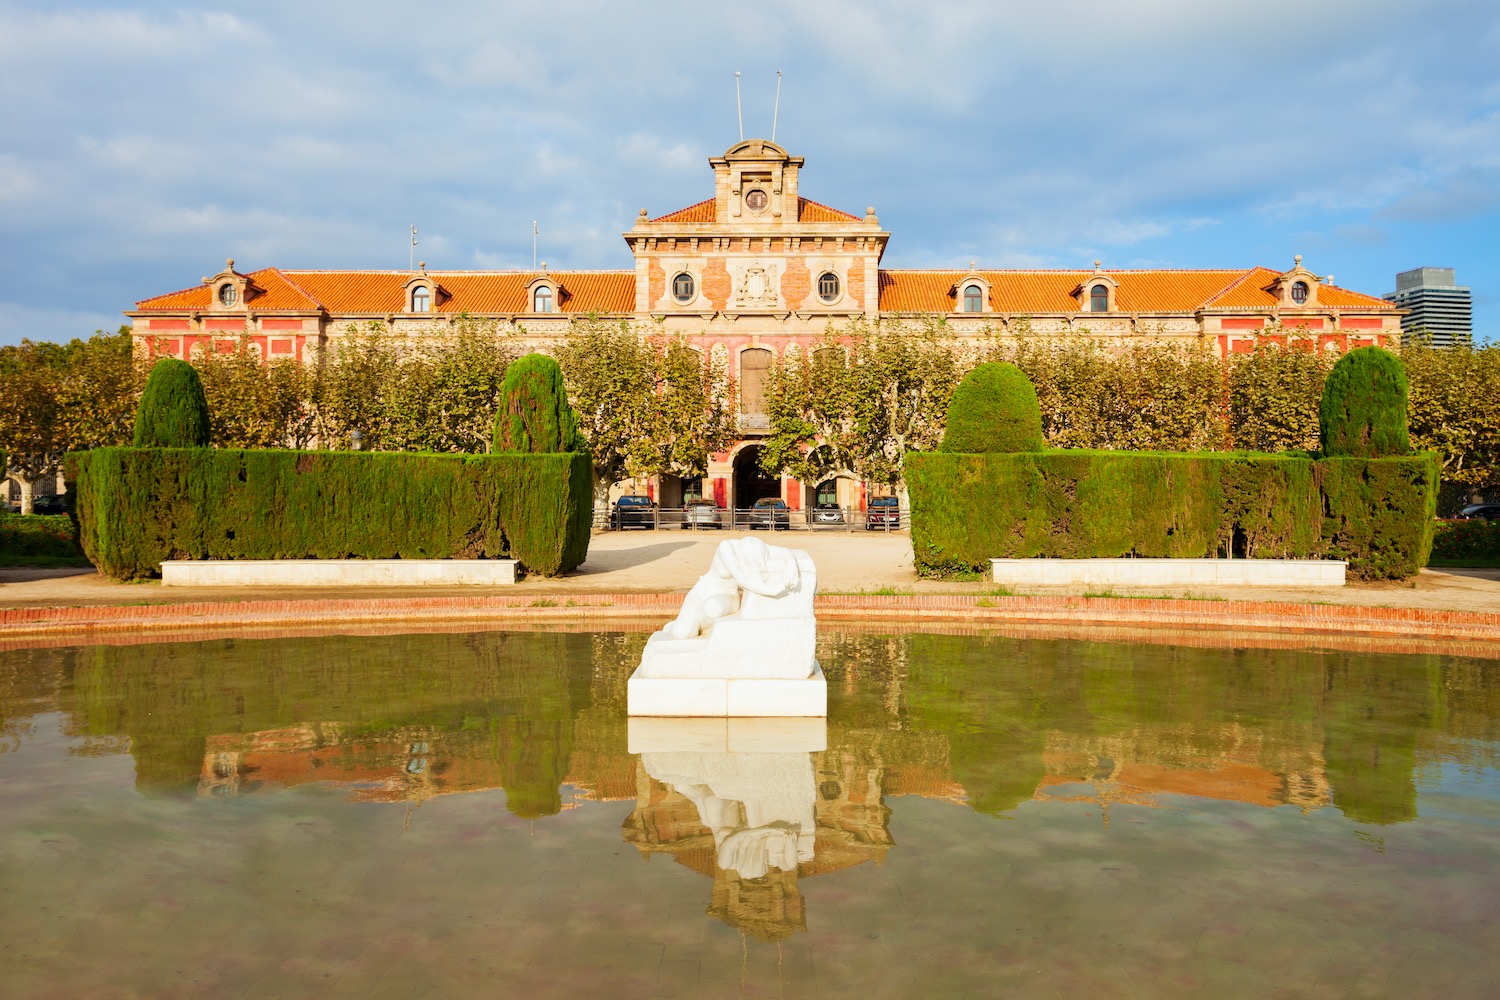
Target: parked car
<point>702,514</point>
<point>632,511</point>
<point>48,505</point>
<point>1480,512</point>
<point>770,512</point>
<point>827,515</point>
<point>883,513</point>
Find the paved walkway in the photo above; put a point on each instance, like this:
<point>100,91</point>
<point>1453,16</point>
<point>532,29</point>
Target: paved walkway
<point>861,576</point>
<point>670,561</point>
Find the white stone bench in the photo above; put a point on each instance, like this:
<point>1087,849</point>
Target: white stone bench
<point>338,572</point>
<point>1170,572</point>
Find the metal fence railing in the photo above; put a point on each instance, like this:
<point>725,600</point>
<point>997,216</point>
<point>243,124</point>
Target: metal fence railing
<point>703,518</point>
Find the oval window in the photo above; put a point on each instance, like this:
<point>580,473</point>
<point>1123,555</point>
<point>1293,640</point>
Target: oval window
<point>683,288</point>
<point>828,287</point>
<point>757,200</point>
<point>227,295</point>
<point>1299,292</point>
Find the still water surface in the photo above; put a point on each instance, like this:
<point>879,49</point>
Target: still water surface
<point>455,815</point>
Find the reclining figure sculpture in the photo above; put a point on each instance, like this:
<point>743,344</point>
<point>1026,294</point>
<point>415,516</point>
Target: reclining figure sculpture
<point>743,643</point>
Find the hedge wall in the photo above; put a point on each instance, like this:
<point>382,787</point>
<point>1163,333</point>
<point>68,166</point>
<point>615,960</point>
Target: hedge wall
<point>1466,541</point>
<point>968,509</point>
<point>137,507</point>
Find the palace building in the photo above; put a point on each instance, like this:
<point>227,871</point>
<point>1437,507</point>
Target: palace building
<point>746,274</point>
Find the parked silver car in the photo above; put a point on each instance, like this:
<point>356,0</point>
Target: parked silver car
<point>827,515</point>
<point>702,514</point>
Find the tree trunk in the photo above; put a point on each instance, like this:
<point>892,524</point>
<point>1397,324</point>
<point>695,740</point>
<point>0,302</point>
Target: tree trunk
<point>601,500</point>
<point>28,490</point>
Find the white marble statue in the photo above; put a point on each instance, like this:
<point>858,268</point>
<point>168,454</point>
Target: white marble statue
<point>760,807</point>
<point>743,569</point>
<point>747,622</point>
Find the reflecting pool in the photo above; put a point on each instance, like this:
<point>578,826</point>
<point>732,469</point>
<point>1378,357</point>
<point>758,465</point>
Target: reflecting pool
<point>472,814</point>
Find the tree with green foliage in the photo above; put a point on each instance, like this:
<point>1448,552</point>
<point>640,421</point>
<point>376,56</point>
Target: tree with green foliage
<point>60,398</point>
<point>994,408</point>
<point>255,403</point>
<point>859,402</point>
<point>1363,409</point>
<point>1141,395</point>
<point>647,404</point>
<point>1453,410</point>
<point>534,414</point>
<point>173,412</point>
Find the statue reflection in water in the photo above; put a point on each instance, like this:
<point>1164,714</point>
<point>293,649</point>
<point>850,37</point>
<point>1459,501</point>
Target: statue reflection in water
<point>756,820</point>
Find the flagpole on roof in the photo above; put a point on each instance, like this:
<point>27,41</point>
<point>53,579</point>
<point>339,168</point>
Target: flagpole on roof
<point>533,244</point>
<point>411,263</point>
<point>738,107</point>
<point>775,113</point>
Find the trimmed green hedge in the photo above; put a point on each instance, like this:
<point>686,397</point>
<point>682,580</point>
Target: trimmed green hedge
<point>138,506</point>
<point>32,535</point>
<point>1464,541</point>
<point>1363,410</point>
<point>993,409</point>
<point>968,509</point>
<point>173,412</point>
<point>534,415</point>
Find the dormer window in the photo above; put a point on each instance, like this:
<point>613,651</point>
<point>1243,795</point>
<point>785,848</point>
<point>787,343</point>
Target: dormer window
<point>228,296</point>
<point>421,299</point>
<point>1099,299</point>
<point>541,300</point>
<point>1299,292</point>
<point>828,288</point>
<point>683,288</point>
<point>973,299</point>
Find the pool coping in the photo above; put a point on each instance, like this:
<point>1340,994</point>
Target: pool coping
<point>1258,616</point>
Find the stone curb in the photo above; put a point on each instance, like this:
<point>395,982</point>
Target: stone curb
<point>1241,615</point>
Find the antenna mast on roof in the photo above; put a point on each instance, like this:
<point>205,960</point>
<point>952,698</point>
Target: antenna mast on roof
<point>411,263</point>
<point>533,244</point>
<point>738,107</point>
<point>777,110</point>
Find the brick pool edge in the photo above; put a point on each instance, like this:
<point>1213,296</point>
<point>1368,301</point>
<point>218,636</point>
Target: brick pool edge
<point>1277,616</point>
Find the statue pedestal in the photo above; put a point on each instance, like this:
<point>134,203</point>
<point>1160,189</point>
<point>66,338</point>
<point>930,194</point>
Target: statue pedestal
<point>744,644</point>
<point>728,696</point>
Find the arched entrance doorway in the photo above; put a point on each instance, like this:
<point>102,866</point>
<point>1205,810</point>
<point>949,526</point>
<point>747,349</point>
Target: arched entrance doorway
<point>751,483</point>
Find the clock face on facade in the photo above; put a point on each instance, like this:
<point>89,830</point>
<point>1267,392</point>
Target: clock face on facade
<point>756,200</point>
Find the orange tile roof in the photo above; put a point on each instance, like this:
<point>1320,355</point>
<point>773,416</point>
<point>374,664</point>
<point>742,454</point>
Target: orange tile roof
<point>1165,290</point>
<point>703,211</point>
<point>375,292</point>
<point>812,211</point>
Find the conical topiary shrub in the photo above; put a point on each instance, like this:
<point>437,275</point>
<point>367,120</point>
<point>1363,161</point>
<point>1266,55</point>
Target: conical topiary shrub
<point>1363,412</point>
<point>534,415</point>
<point>993,409</point>
<point>173,412</point>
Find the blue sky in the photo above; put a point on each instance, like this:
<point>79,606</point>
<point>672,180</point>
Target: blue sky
<point>141,144</point>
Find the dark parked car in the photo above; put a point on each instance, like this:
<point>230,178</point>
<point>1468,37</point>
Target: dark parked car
<point>827,515</point>
<point>1481,512</point>
<point>771,513</point>
<point>633,511</point>
<point>883,513</point>
<point>48,505</point>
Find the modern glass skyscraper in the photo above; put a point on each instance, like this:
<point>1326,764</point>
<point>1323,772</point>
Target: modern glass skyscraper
<point>1442,308</point>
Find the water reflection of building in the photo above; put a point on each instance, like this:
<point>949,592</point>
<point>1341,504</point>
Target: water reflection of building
<point>1229,765</point>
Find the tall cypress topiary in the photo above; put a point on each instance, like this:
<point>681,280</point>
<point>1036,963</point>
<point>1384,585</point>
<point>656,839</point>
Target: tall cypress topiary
<point>993,409</point>
<point>173,412</point>
<point>534,414</point>
<point>1363,412</point>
